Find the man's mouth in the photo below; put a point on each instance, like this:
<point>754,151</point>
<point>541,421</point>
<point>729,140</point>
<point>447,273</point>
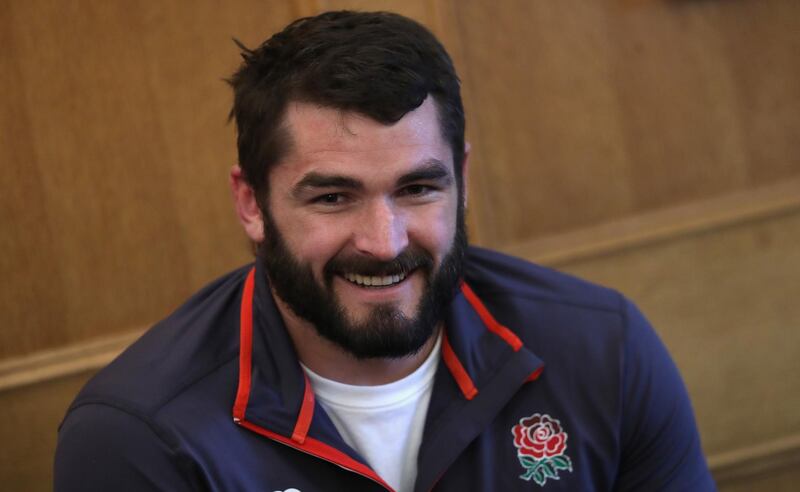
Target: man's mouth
<point>375,280</point>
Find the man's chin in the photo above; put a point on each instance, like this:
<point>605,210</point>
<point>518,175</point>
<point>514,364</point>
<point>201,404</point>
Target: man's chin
<point>371,316</point>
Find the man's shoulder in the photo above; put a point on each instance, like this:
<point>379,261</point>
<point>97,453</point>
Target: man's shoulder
<point>195,341</point>
<point>495,275</point>
<point>548,309</point>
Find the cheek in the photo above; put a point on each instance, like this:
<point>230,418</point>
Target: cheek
<point>312,242</point>
<point>435,231</point>
<point>316,244</point>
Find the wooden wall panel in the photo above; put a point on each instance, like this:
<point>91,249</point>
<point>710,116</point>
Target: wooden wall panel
<point>27,245</point>
<point>103,183</point>
<point>677,103</point>
<point>545,108</point>
<point>117,201</point>
<point>725,303</point>
<point>782,480</point>
<point>30,419</point>
<point>762,41</point>
<point>591,112</point>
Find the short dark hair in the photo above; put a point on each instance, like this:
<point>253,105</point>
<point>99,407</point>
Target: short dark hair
<point>379,64</point>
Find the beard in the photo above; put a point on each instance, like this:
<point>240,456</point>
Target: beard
<point>385,332</point>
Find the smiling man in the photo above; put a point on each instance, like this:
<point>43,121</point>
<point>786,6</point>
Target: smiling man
<point>368,347</point>
<point>363,237</point>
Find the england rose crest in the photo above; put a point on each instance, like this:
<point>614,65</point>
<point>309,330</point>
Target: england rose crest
<point>541,443</point>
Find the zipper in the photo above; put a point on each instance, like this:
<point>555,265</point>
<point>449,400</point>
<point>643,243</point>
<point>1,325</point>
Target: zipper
<point>264,432</point>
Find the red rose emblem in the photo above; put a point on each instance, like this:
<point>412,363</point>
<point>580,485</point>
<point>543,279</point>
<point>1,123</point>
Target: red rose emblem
<point>539,436</point>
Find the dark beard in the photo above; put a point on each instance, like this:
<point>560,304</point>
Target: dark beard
<point>386,332</point>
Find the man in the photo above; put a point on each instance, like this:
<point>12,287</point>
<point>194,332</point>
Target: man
<point>369,348</point>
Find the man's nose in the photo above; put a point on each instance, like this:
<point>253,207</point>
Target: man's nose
<point>381,231</point>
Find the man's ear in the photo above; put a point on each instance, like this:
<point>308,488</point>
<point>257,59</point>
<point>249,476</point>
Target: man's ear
<point>465,172</point>
<point>244,200</point>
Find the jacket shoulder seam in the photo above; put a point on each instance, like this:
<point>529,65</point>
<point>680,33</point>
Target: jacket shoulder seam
<point>127,408</point>
<point>555,300</point>
<point>183,388</point>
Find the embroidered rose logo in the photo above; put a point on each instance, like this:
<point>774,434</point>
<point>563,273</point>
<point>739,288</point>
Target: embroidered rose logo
<point>541,443</point>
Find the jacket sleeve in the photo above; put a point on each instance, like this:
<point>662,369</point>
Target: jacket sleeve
<point>103,448</point>
<point>661,448</point>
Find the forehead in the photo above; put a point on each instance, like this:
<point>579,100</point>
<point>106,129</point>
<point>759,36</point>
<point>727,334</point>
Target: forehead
<point>327,139</point>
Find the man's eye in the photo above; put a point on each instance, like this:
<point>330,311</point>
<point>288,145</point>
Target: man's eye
<point>329,198</point>
<point>417,190</point>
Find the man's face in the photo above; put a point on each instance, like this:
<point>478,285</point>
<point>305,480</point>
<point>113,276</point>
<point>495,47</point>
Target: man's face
<point>364,233</point>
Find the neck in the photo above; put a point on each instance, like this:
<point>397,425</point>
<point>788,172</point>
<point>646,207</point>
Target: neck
<point>333,362</point>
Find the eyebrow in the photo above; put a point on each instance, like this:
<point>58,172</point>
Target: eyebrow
<point>319,180</point>
<point>429,170</point>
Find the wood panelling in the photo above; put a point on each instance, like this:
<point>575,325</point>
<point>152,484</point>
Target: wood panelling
<point>661,225</point>
<point>591,112</point>
<point>115,200</point>
<point>30,305</point>
<point>46,365</point>
<point>762,42</point>
<point>773,480</point>
<point>104,182</point>
<point>30,419</point>
<point>546,111</point>
<point>690,147</point>
<point>725,303</point>
<point>746,464</point>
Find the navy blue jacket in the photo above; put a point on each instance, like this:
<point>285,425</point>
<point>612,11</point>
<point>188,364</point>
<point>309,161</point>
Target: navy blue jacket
<point>545,382</point>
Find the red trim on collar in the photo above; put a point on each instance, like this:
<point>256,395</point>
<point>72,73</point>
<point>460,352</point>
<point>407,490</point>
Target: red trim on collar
<point>457,370</point>
<point>321,450</point>
<point>306,413</point>
<point>299,439</point>
<point>245,347</point>
<point>535,375</point>
<point>489,320</point>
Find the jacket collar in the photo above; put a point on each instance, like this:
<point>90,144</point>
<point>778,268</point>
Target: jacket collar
<point>482,361</point>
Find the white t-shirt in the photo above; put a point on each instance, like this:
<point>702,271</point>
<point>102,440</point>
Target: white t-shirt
<point>384,423</point>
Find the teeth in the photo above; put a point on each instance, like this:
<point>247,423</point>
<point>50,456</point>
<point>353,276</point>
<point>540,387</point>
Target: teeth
<point>374,281</point>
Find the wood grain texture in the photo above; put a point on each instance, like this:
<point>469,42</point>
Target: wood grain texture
<point>66,361</point>
<point>115,199</point>
<point>27,244</point>
<point>665,224</point>
<point>545,107</point>
<point>592,112</point>
<point>28,429</point>
<point>774,480</point>
<point>677,102</point>
<point>762,42</point>
<point>725,303</point>
<point>755,462</point>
